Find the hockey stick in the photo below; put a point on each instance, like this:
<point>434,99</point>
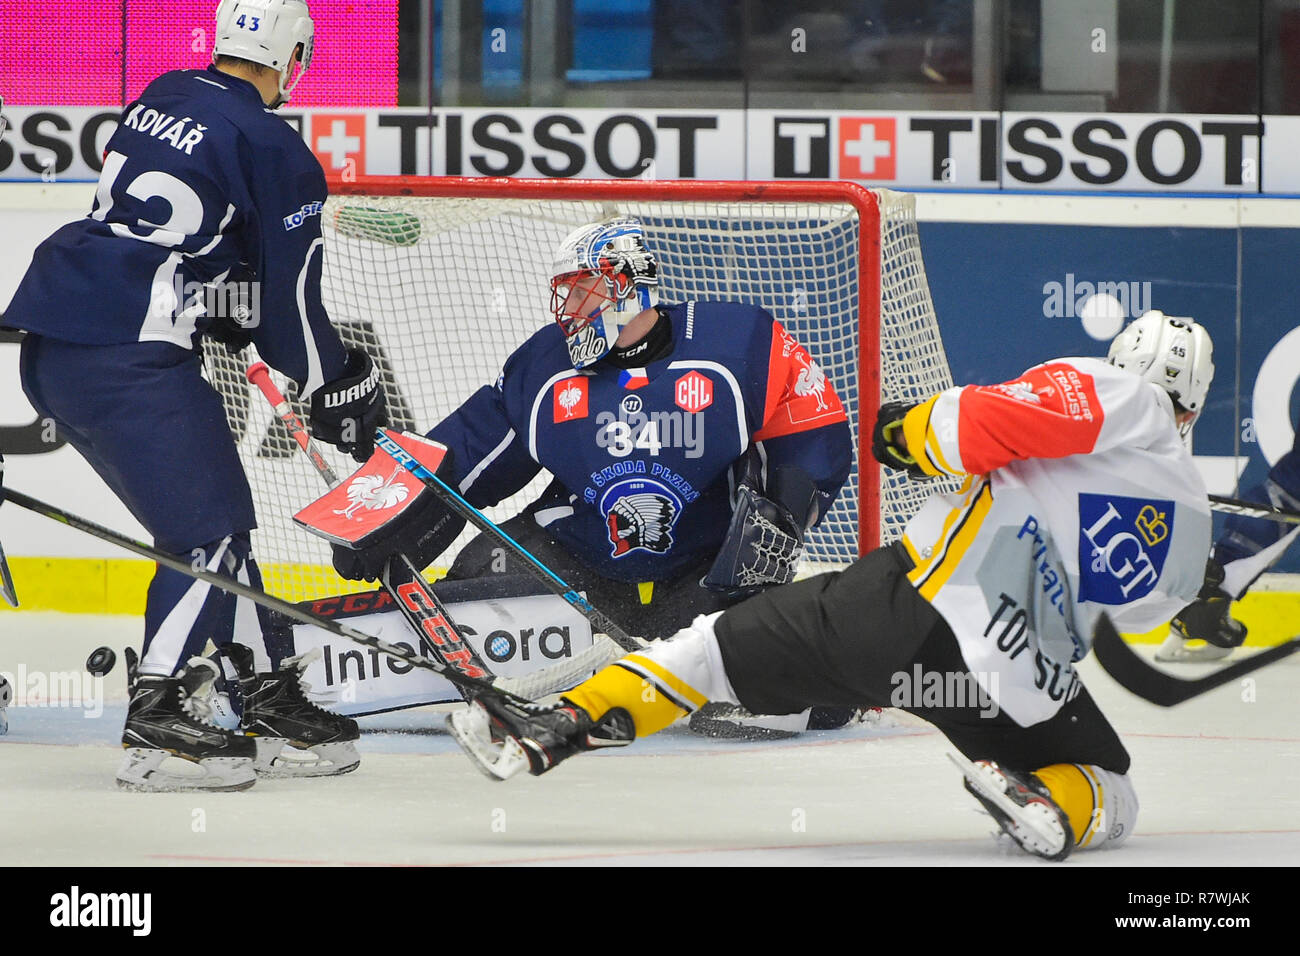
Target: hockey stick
<point>410,592</point>
<point>535,567</point>
<point>291,611</point>
<point>1252,509</point>
<point>1152,684</point>
<point>7,581</point>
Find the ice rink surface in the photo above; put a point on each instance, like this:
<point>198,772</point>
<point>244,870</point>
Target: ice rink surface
<point>1218,779</point>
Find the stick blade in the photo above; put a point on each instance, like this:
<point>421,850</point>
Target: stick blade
<point>1150,683</point>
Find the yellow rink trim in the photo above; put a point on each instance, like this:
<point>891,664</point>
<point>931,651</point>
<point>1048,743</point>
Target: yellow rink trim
<point>119,585</point>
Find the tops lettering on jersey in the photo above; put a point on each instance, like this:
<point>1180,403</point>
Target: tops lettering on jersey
<point>642,474</point>
<point>1082,500</point>
<point>207,212</point>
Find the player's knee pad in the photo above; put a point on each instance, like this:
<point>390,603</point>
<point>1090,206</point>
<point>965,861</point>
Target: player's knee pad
<point>665,681</point>
<point>1102,805</point>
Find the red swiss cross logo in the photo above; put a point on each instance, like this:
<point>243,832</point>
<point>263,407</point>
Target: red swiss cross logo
<point>339,141</point>
<point>569,399</point>
<point>867,147</point>
<point>694,392</point>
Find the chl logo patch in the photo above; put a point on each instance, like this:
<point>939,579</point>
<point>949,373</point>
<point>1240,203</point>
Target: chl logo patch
<point>1123,544</point>
<point>569,399</point>
<point>693,392</point>
<point>640,513</point>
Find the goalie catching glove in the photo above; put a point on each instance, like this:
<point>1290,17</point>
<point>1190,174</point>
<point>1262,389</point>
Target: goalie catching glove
<point>346,411</point>
<point>764,541</point>
<point>885,437</point>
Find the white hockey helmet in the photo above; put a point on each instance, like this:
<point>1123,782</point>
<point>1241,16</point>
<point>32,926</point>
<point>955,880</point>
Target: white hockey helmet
<point>267,32</point>
<point>592,314</point>
<point>1170,351</point>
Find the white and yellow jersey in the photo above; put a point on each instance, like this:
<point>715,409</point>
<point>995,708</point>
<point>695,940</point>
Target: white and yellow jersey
<point>1081,499</point>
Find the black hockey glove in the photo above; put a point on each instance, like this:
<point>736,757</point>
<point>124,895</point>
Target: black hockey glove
<point>884,447</point>
<point>1206,618</point>
<point>236,315</point>
<point>425,530</point>
<point>346,411</point>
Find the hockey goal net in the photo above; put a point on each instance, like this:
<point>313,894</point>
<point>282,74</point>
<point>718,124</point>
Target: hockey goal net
<point>440,279</point>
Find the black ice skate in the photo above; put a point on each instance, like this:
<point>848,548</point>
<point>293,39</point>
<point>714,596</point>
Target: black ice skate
<point>277,714</point>
<point>1022,806</point>
<point>168,718</point>
<point>503,738</point>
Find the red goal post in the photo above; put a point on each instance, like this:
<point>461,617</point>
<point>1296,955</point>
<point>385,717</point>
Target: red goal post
<point>442,277</point>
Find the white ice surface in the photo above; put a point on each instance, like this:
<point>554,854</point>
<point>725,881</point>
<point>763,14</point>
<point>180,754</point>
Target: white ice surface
<point>1218,779</point>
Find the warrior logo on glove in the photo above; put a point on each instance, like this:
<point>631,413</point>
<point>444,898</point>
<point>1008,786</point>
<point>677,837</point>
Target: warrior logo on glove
<point>640,514</point>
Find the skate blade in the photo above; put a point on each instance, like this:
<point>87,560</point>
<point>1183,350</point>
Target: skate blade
<point>146,770</point>
<point>277,757</point>
<point>495,760</point>
<point>1176,650</point>
<point>1034,827</point>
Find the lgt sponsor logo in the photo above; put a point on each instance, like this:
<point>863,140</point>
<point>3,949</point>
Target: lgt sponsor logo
<point>1123,544</point>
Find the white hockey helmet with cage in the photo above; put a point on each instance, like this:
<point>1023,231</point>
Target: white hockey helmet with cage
<point>602,278</point>
<point>1170,351</point>
<point>268,32</point>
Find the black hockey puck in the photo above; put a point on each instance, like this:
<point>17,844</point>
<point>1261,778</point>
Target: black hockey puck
<point>101,661</point>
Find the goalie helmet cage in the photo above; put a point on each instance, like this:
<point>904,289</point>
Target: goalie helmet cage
<point>441,278</point>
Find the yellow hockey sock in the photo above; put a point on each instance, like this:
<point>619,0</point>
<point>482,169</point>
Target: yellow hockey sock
<point>1078,793</point>
<point>643,689</point>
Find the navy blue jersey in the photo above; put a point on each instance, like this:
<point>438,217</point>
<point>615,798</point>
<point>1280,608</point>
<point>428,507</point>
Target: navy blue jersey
<point>204,191</point>
<point>642,457</point>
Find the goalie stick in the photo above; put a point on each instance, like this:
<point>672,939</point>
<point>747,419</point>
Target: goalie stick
<point>230,585</point>
<point>421,607</point>
<point>1252,509</point>
<point>1135,675</point>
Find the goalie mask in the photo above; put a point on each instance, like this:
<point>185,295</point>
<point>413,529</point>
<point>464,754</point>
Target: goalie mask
<point>603,277</point>
<point>268,32</point>
<point>1172,352</point>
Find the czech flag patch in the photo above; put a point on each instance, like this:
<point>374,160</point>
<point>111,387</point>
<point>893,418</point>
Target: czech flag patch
<point>633,378</point>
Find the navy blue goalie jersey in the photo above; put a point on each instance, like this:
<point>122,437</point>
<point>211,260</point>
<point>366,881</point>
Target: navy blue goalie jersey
<point>208,210</point>
<point>642,457</point>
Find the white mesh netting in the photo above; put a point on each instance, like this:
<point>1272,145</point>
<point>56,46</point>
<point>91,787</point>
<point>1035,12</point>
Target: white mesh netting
<point>441,290</point>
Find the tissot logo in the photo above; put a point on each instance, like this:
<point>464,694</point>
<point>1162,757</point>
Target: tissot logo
<point>339,139</point>
<point>868,147</point>
<point>801,147</point>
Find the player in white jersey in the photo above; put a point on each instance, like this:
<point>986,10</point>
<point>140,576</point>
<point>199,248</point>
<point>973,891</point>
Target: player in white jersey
<point>1080,499</point>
